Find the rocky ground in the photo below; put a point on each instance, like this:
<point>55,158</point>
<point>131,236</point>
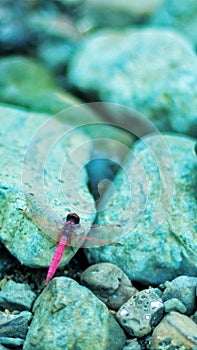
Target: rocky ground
<point>98,116</point>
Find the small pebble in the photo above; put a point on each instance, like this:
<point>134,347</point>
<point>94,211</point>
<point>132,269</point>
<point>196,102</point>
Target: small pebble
<point>109,283</point>
<point>141,313</point>
<point>132,345</point>
<point>174,305</point>
<point>16,296</point>
<point>14,342</point>
<point>182,288</point>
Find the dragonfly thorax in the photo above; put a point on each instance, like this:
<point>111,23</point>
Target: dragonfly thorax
<point>72,220</point>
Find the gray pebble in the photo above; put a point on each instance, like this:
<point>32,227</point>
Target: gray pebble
<point>132,345</point>
<point>109,283</point>
<point>16,296</point>
<point>174,304</point>
<point>141,313</point>
<point>182,288</point>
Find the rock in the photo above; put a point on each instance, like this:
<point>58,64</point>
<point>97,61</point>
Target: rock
<point>14,325</point>
<point>16,296</point>
<point>178,15</point>
<point>69,315</point>
<point>162,91</point>
<point>132,345</point>
<point>26,83</point>
<point>141,313</point>
<point>109,284</point>
<point>182,288</point>
<point>154,199</point>
<point>174,304</point>
<point>30,236</point>
<point>175,331</point>
<point>116,13</point>
<point>13,342</point>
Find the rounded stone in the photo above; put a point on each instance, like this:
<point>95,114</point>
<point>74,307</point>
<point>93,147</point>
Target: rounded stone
<point>154,200</point>
<point>134,68</point>
<point>109,283</point>
<point>183,289</point>
<point>141,313</point>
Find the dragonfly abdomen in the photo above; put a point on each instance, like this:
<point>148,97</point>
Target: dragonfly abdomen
<point>56,258</point>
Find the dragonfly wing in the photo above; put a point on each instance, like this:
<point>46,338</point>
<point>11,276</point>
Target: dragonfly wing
<point>99,235</point>
<point>77,236</point>
<point>47,220</point>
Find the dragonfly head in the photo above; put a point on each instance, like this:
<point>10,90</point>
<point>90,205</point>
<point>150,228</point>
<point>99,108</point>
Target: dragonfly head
<point>72,218</point>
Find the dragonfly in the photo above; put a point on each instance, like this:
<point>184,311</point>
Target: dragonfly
<point>68,232</point>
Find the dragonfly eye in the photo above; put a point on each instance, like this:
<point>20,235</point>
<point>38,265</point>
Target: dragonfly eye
<point>73,217</point>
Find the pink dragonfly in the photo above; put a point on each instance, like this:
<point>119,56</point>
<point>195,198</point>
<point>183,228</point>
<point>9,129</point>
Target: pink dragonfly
<point>68,232</point>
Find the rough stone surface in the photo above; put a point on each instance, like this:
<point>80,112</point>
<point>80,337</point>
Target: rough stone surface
<point>23,162</point>
<point>14,325</point>
<point>175,331</point>
<point>16,296</point>
<point>141,313</point>
<point>182,288</point>
<point>154,199</point>
<point>134,68</point>
<point>68,315</point>
<point>109,284</point>
<point>179,15</point>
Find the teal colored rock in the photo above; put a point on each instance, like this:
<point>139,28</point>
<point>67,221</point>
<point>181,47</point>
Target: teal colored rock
<point>179,15</point>
<point>25,83</point>
<point>46,157</point>
<point>153,198</point>
<point>16,296</point>
<point>151,70</point>
<point>68,316</point>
